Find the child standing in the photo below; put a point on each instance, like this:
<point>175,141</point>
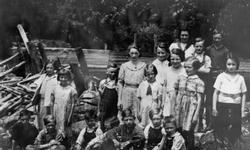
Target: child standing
<point>150,94</point>
<point>174,71</point>
<point>161,62</point>
<point>89,132</point>
<point>229,101</point>
<point>63,98</point>
<point>188,101</point>
<point>109,94</point>
<point>205,76</point>
<point>153,131</point>
<point>47,82</point>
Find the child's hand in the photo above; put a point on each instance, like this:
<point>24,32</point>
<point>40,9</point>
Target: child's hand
<point>116,143</point>
<point>214,112</point>
<point>156,148</point>
<point>59,137</point>
<point>78,147</point>
<point>53,142</point>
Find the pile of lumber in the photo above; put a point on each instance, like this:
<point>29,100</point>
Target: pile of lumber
<point>17,96</point>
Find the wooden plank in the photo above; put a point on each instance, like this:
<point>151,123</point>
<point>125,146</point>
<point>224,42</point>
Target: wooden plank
<point>24,36</point>
<point>9,59</point>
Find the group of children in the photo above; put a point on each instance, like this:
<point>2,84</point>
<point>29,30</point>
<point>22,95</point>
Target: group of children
<point>184,84</point>
<point>175,88</point>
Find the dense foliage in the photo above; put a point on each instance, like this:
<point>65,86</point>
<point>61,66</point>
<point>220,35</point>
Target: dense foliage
<point>117,23</point>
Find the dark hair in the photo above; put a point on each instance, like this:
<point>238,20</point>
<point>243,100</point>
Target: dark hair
<point>135,47</point>
<point>153,112</point>
<point>113,65</point>
<point>183,30</point>
<point>64,72</point>
<point>90,114</point>
<point>179,52</point>
<point>198,39</point>
<point>235,59</point>
<point>25,113</point>
<point>49,119</point>
<point>195,62</point>
<point>169,119</point>
<point>47,63</point>
<point>150,67</point>
<point>127,113</point>
<point>163,46</point>
<point>215,31</point>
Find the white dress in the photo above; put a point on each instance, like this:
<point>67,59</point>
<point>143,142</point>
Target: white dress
<point>148,102</point>
<point>169,90</point>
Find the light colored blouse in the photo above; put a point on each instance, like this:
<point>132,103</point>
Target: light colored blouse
<point>48,83</point>
<point>172,77</point>
<point>132,74</point>
<point>230,87</point>
<point>162,69</point>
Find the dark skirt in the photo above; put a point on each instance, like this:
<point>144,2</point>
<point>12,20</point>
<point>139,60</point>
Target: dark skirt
<point>228,121</point>
<point>108,105</point>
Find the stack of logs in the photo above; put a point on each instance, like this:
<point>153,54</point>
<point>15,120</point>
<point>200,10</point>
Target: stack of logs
<point>16,97</point>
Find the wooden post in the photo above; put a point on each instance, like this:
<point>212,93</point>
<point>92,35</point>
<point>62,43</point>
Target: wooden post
<point>78,79</point>
<point>155,43</point>
<point>42,52</point>
<point>24,36</point>
<point>81,59</point>
<point>135,39</point>
<point>9,59</point>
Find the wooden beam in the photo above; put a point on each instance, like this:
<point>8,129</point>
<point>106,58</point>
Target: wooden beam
<point>2,74</point>
<point>9,59</point>
<point>82,61</point>
<point>24,37</point>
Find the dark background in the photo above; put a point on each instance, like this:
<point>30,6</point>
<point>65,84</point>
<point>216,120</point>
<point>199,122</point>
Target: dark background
<point>91,23</point>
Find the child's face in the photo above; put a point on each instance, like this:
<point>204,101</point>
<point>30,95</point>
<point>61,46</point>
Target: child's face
<point>175,60</point>
<point>50,127</point>
<point>25,119</point>
<point>49,69</point>
<point>156,120</point>
<point>217,38</point>
<point>170,128</point>
<point>112,75</point>
<point>189,68</point>
<point>129,121</point>
<point>161,54</point>
<point>231,65</point>
<point>150,76</point>
<point>91,122</point>
<point>199,47</point>
<point>63,80</point>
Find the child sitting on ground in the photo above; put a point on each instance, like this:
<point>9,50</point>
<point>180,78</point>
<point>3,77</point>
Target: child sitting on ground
<point>89,132</point>
<point>154,131</point>
<point>23,132</point>
<point>172,139</point>
<point>47,138</point>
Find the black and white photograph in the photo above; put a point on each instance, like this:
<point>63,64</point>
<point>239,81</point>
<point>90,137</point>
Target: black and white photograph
<point>124,74</point>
